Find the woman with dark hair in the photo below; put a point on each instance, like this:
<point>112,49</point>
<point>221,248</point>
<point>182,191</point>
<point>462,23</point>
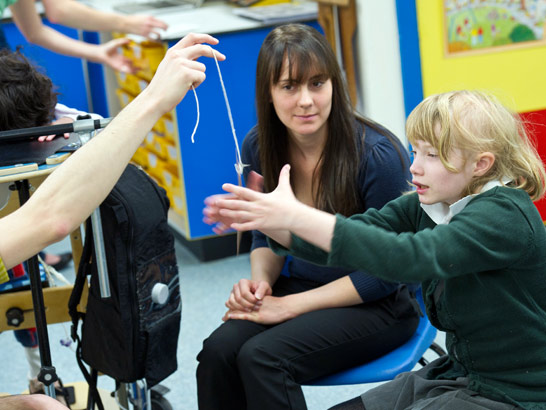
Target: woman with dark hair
<point>314,321</point>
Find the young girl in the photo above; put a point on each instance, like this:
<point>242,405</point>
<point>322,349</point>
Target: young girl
<point>470,233</point>
<point>319,320</point>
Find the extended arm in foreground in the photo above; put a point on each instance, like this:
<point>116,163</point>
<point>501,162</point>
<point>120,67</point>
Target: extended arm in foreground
<point>79,185</point>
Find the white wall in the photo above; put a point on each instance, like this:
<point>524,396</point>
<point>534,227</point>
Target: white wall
<point>377,50</point>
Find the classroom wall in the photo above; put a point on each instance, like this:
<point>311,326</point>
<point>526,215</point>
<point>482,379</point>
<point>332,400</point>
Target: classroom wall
<point>381,94</point>
<point>515,72</point>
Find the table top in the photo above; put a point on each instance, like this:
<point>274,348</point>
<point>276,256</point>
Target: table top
<point>213,17</point>
<point>44,169</point>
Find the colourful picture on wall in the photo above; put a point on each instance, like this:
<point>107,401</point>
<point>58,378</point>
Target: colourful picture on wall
<point>485,25</point>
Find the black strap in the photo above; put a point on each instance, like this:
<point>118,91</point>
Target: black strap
<point>75,297</point>
<point>81,278</point>
<point>90,381</point>
<point>413,299</point>
<point>416,305</point>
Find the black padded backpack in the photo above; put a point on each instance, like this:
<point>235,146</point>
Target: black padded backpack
<point>133,334</point>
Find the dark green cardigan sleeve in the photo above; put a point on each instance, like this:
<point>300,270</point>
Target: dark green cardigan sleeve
<point>400,242</point>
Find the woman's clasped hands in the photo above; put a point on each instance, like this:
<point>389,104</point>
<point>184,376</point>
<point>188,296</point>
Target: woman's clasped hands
<point>251,300</point>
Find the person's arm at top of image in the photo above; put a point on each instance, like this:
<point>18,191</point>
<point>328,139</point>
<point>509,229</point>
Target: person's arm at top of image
<point>30,24</point>
<point>77,15</point>
<point>81,183</point>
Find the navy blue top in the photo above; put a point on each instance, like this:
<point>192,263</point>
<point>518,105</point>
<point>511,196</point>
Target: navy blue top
<point>381,178</point>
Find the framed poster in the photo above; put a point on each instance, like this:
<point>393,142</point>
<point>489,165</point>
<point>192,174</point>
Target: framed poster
<point>491,25</point>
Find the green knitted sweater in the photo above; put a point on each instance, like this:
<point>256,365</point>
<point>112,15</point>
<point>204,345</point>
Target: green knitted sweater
<point>483,278</point>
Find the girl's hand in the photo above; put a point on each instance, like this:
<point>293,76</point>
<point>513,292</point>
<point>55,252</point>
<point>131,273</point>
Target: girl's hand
<point>212,215</point>
<point>211,211</point>
<point>109,54</point>
<point>63,120</point>
<point>254,210</point>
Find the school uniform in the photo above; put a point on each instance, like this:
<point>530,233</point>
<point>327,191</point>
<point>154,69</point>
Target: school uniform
<point>482,264</point>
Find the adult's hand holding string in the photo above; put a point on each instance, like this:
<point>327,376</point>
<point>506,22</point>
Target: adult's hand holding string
<point>179,71</point>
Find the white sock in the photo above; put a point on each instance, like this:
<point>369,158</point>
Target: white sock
<point>34,363</point>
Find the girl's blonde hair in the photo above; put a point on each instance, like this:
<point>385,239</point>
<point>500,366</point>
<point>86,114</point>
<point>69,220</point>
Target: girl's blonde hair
<point>475,121</point>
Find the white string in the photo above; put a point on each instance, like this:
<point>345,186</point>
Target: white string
<point>239,163</point>
<point>52,274</point>
<point>196,122</point>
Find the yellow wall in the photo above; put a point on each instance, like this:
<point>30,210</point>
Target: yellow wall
<point>516,75</point>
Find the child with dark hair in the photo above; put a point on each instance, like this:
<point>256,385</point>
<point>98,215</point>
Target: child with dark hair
<point>28,99</point>
<point>68,196</point>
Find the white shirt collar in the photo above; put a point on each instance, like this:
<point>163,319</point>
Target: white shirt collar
<point>441,213</point>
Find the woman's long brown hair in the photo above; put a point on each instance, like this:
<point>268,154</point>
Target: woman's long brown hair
<point>335,177</point>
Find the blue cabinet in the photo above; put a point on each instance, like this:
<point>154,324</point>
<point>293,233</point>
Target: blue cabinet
<point>209,162</point>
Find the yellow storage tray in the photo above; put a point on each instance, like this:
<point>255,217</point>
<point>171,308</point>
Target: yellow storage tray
<point>162,146</point>
<point>146,56</point>
<point>141,157</point>
<point>124,97</point>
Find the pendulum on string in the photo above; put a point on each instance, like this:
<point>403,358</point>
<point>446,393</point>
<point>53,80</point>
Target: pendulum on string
<point>239,166</point>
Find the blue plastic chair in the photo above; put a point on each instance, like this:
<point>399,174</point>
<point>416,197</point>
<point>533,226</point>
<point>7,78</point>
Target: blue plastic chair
<point>387,367</point>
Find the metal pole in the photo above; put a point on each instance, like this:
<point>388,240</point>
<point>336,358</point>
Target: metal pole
<point>100,254</point>
<point>85,133</point>
<point>47,373</point>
